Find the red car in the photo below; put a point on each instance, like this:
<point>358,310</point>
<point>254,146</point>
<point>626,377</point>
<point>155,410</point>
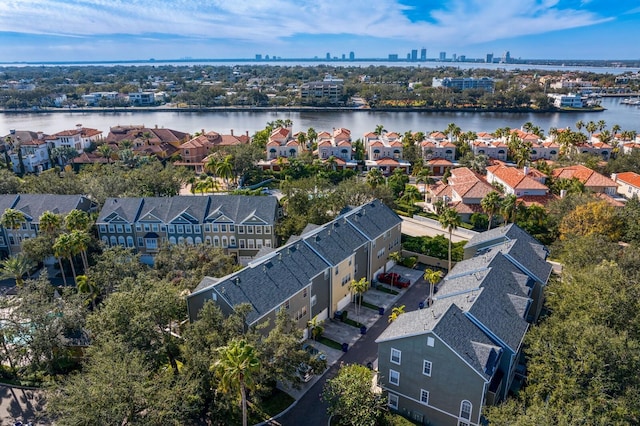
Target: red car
<point>394,279</point>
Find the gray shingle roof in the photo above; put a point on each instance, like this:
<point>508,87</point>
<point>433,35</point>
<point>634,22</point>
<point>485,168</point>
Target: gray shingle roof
<point>267,284</point>
<point>33,205</point>
<point>506,233</point>
<point>372,219</point>
<point>335,241</point>
<point>238,208</point>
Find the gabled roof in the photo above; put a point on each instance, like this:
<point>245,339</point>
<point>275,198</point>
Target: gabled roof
<point>335,241</point>
<point>33,205</point>
<point>373,219</point>
<point>515,178</point>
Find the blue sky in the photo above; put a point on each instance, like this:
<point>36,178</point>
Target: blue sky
<point>94,30</point>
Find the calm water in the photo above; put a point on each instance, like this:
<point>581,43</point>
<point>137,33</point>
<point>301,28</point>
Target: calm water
<point>359,122</point>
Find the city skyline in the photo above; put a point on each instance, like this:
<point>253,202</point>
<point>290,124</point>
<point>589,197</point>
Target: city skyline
<point>95,30</point>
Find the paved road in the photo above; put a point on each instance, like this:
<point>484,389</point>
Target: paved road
<point>310,409</point>
<point>417,228</point>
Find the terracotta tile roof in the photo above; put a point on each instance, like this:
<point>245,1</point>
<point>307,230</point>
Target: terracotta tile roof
<point>273,143</point>
<point>393,135</point>
<point>515,178</point>
<point>438,135</point>
<point>463,208</point>
<point>370,135</point>
<point>540,200</point>
<point>427,144</point>
<point>324,134</point>
<point>439,162</point>
<point>395,143</point>
<point>386,161</point>
<point>197,142</point>
<point>344,143</point>
<point>484,135</point>
<point>324,143</point>
<point>630,178</point>
<point>590,178</point>
<point>609,199</point>
<point>341,131</point>
<point>377,143</point>
<point>292,143</point>
<point>280,131</point>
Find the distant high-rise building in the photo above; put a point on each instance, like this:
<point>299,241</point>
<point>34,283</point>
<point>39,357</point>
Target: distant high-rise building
<point>328,56</point>
<point>489,59</point>
<point>258,57</point>
<point>454,57</point>
<point>443,56</point>
<point>266,57</point>
<point>506,57</point>
<point>462,58</point>
<point>393,56</point>
<point>423,54</point>
<point>414,55</point>
<point>344,56</point>
<point>352,56</point>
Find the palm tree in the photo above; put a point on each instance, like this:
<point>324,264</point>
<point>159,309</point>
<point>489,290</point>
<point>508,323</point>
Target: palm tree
<point>449,220</point>
<point>225,169</point>
<point>12,219</point>
<point>410,195</point>
<point>106,152</point>
<point>77,220</point>
<point>615,129</point>
<point>81,241</point>
<point>237,367</point>
<point>375,178</point>
<point>85,285</point>
<point>302,140</point>
<point>211,165</point>
<point>591,127</point>
<point>358,288</point>
<point>601,125</point>
<point>579,125</point>
<point>311,135</point>
<point>15,267</point>
<point>379,129</point>
<point>508,207</point>
<point>432,277</point>
<point>396,312</point>
<point>64,247</point>
<point>50,223</point>
<point>491,205</point>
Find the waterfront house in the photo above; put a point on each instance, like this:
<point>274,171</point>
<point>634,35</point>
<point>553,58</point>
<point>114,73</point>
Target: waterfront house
<point>463,191</point>
<point>240,225</point>
<point>195,150</point>
<point>517,181</point>
<point>592,180</point>
<point>32,148</point>
<point>79,139</point>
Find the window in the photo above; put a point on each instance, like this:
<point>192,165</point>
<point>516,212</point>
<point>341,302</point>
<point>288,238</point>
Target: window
<point>140,242</point>
<point>393,401</point>
<point>151,243</point>
<point>232,241</point>
<point>207,228</point>
<point>430,341</point>
<point>103,229</point>
<point>232,228</point>
<point>138,227</point>
<point>314,300</point>
<point>129,241</point>
<point>426,368</point>
<point>304,292</point>
<point>250,244</point>
<point>127,229</point>
<point>216,241</point>
<point>224,242</point>
<point>258,244</point>
<point>240,229</point>
<point>424,396</point>
<point>147,228</point>
<point>180,229</point>
<point>267,243</point>
<point>465,413</point>
<point>163,228</point>
<point>197,229</point>
<point>112,229</point>
<point>172,228</point>
<point>267,229</point>
<point>223,228</point>
<point>249,229</point>
<point>242,244</point>
<point>188,229</point>
<point>258,229</point>
<point>396,356</point>
<point>394,377</point>
<point>215,227</point>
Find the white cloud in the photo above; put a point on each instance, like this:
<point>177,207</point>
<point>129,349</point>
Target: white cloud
<point>463,22</point>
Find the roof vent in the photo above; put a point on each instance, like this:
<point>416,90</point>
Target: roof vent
<point>236,281</point>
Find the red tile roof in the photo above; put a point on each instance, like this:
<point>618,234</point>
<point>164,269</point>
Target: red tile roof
<point>630,178</point>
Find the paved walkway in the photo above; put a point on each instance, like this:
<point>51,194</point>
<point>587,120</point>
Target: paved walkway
<point>25,405</point>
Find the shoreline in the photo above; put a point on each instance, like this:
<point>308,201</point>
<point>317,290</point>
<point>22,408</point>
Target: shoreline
<point>290,109</point>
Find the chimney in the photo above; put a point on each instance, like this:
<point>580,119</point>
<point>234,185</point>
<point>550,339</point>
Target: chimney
<point>247,133</point>
<point>614,177</point>
<point>231,132</point>
<point>156,126</point>
<point>525,169</point>
<point>202,132</point>
<point>563,193</point>
<point>40,136</point>
<point>79,126</point>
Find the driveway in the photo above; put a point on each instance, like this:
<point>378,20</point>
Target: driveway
<point>310,410</point>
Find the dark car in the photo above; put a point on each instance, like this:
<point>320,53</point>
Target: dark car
<point>394,279</point>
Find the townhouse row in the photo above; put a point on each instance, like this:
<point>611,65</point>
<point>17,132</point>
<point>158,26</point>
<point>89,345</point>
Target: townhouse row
<point>310,275</point>
<point>443,364</point>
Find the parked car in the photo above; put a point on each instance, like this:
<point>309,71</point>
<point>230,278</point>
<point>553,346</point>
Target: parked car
<point>394,279</point>
<point>304,372</point>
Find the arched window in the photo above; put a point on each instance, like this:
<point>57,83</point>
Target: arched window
<point>105,240</point>
<point>465,413</point>
<point>216,241</point>
<point>121,241</point>
<point>172,240</point>
<point>292,152</point>
<point>198,240</point>
<point>501,151</point>
<point>207,240</point>
<point>129,241</point>
<point>180,240</point>
<point>113,241</point>
<point>553,152</point>
<point>534,152</point>
<point>481,151</point>
<point>224,242</point>
<point>190,241</point>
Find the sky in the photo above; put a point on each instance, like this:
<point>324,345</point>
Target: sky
<point>103,30</point>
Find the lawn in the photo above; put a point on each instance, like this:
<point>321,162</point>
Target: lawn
<point>269,407</point>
